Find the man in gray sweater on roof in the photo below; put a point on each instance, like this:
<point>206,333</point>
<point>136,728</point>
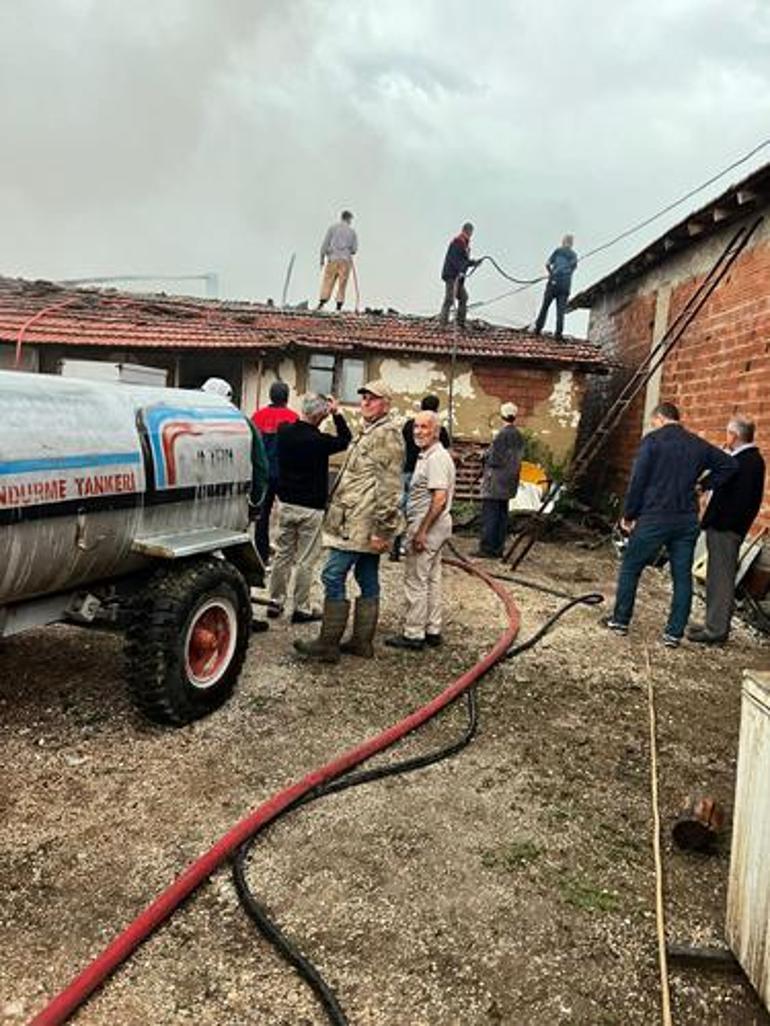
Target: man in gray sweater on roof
<point>337,250</point>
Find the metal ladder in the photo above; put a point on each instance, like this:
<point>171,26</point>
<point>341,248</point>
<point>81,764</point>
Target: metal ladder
<point>523,542</point>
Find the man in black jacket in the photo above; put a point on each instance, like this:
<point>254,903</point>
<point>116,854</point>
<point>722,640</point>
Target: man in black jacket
<point>303,487</point>
<point>660,511</point>
<point>456,264</point>
<point>726,521</point>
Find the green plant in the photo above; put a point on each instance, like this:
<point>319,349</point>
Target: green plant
<point>585,895</point>
<point>512,856</point>
<point>537,451</point>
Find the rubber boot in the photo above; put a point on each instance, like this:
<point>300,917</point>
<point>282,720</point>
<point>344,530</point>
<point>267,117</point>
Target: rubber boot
<point>326,647</point>
<point>365,618</point>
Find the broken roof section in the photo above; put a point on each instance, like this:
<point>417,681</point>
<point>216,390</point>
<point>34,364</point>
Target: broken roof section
<point>48,314</point>
<point>735,203</point>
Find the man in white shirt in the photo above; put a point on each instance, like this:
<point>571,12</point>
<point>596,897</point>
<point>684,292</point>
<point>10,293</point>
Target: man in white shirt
<point>337,250</point>
<point>428,526</point>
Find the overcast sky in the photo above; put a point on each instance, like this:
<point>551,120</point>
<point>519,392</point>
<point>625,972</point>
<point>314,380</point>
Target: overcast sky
<point>183,136</point>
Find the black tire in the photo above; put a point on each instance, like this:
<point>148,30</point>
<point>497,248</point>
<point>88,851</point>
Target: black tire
<point>172,678</point>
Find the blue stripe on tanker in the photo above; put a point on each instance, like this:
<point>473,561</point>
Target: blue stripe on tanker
<point>155,416</point>
<point>106,459</point>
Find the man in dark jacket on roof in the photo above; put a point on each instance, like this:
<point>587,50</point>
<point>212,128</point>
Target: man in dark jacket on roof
<point>661,511</point>
<point>456,264</point>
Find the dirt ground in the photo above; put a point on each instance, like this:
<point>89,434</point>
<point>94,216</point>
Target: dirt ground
<point>510,885</point>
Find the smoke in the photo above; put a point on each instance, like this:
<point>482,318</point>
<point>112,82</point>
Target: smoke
<point>185,136</point>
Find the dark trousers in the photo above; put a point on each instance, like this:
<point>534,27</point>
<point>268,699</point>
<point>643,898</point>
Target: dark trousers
<point>723,550</point>
<point>494,526</point>
<point>561,295</point>
<point>645,542</point>
<point>262,529</point>
<point>454,289</point>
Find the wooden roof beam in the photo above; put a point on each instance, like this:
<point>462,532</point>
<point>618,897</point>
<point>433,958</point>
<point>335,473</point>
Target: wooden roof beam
<point>745,196</point>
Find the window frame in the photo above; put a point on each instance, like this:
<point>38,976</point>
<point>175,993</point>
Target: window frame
<point>337,372</point>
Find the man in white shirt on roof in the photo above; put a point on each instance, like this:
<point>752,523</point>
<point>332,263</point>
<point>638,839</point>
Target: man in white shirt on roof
<point>339,246</point>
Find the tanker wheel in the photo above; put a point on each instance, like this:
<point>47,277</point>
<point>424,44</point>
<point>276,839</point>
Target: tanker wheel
<point>186,640</point>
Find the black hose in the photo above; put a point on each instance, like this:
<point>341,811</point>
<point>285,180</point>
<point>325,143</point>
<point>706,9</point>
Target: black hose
<point>504,274</point>
<point>257,912</point>
<point>591,598</point>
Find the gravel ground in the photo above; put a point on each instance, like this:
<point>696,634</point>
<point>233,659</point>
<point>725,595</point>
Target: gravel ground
<point>511,885</point>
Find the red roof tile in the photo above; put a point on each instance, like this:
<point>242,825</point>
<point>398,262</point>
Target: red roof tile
<point>48,314</point>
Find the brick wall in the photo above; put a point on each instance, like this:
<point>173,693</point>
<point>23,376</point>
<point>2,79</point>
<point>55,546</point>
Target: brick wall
<point>720,367</point>
<point>522,386</point>
<point>624,329</point>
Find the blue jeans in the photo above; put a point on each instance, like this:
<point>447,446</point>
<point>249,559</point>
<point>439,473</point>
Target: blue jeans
<point>365,566</point>
<point>643,546</point>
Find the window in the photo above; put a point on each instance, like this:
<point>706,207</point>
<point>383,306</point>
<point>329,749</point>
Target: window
<point>351,377</point>
<point>341,376</point>
<point>320,374</point>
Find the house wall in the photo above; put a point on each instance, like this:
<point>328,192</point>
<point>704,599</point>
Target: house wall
<point>549,400</point>
<point>720,367</point>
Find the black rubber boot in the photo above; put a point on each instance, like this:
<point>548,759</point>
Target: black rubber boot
<point>365,619</point>
<point>395,551</point>
<point>326,647</point>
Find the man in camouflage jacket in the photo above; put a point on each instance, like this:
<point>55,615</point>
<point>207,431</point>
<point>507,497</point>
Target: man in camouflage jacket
<point>362,519</point>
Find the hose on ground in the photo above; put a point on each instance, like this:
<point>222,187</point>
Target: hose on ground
<point>257,911</point>
<point>67,1001</point>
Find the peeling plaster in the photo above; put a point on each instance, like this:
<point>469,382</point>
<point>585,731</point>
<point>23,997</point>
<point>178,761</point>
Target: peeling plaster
<point>476,412</point>
<point>411,376</point>
<point>562,400</point>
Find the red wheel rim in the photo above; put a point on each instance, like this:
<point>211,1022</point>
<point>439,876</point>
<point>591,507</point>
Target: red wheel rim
<point>210,643</point>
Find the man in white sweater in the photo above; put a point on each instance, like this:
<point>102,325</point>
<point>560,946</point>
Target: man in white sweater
<point>337,249</point>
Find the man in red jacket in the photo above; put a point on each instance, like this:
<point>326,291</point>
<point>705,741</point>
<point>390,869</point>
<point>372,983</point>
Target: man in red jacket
<point>268,419</point>
<point>456,264</point>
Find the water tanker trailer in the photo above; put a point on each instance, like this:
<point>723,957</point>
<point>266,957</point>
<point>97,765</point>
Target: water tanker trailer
<point>128,507</point>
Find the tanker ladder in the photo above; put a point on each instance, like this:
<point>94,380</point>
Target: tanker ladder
<point>526,538</point>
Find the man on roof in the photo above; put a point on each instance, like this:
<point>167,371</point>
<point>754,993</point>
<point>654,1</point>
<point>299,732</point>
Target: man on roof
<point>456,265</point>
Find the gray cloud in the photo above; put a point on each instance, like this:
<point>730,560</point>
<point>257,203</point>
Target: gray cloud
<point>184,136</point>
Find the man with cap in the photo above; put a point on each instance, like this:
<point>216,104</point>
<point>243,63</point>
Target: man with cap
<point>259,461</point>
<point>259,466</point>
<point>500,482</point>
<point>360,523</point>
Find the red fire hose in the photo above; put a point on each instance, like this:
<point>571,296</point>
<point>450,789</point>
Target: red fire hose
<point>85,983</point>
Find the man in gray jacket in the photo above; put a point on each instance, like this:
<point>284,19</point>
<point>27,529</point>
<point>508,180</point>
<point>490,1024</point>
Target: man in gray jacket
<point>338,248</point>
<point>500,482</point>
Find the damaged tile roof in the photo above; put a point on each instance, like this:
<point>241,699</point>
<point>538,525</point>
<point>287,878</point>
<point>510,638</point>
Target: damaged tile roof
<point>44,313</point>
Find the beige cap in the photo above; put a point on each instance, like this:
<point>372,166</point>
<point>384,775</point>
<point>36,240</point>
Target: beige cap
<point>378,388</point>
<point>508,410</point>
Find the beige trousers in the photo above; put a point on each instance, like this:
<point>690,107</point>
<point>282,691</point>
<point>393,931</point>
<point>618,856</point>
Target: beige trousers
<point>298,545</point>
<point>422,593</point>
<point>335,270</point>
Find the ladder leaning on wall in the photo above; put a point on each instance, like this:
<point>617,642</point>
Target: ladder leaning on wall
<point>524,540</point>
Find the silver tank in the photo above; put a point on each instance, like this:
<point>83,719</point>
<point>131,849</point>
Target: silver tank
<point>91,472</point>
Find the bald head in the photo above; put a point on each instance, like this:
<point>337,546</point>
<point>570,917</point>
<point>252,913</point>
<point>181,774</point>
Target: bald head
<point>426,428</point>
